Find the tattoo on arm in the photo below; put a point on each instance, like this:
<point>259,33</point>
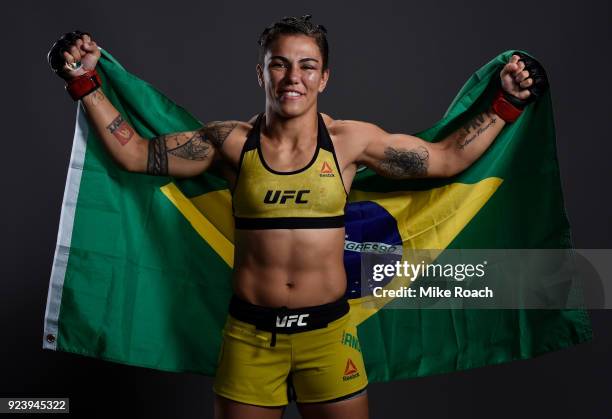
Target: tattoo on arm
<point>96,97</point>
<point>473,129</point>
<point>402,163</point>
<point>217,131</point>
<point>121,130</point>
<point>196,145</point>
<point>157,161</point>
<point>195,148</point>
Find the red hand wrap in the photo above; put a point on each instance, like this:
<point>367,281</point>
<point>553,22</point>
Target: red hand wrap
<point>84,84</point>
<point>506,110</point>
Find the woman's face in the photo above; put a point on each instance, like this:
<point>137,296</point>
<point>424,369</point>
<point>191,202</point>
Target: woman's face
<point>291,76</point>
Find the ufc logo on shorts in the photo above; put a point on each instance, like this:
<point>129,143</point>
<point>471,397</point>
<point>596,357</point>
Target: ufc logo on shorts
<point>273,197</point>
<point>287,321</point>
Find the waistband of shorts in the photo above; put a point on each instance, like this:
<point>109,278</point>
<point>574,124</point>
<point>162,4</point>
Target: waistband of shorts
<point>287,320</point>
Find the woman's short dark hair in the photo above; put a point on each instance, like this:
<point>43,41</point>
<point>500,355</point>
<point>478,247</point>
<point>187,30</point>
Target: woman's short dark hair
<point>295,25</point>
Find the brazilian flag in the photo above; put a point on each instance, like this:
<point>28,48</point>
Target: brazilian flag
<point>142,265</point>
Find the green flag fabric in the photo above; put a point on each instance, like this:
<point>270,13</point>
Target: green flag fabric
<point>141,272</point>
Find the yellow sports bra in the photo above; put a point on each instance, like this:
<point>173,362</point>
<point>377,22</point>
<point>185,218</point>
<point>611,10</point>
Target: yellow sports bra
<point>311,197</point>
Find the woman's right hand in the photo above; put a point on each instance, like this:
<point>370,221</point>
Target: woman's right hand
<point>73,48</point>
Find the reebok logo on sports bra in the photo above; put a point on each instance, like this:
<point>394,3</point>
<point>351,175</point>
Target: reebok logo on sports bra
<point>326,170</point>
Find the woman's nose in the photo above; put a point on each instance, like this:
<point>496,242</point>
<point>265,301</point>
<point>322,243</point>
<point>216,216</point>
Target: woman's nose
<point>293,73</point>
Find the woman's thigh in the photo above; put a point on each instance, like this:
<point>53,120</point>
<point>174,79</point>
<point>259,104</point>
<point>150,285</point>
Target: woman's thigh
<point>229,409</point>
<point>355,408</point>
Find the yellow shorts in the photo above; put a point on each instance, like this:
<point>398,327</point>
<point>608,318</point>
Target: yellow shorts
<point>319,365</point>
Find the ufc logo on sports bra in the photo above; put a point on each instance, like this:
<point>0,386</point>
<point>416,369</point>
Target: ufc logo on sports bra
<point>287,321</point>
<point>281,197</point>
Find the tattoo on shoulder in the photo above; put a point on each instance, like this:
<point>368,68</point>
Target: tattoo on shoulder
<point>121,130</point>
<point>157,159</point>
<point>401,163</point>
<point>217,131</point>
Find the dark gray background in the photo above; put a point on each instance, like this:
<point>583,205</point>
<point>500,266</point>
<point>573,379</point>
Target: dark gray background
<point>395,64</point>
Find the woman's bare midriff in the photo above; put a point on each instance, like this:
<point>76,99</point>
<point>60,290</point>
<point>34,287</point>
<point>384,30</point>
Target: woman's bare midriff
<point>289,267</point>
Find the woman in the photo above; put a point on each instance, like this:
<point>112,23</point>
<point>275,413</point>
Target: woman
<point>289,169</point>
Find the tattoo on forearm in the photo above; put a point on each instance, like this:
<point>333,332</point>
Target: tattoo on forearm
<point>96,97</point>
<point>402,163</point>
<point>473,129</point>
<point>157,161</point>
<point>217,131</point>
<point>121,130</point>
<point>195,148</point>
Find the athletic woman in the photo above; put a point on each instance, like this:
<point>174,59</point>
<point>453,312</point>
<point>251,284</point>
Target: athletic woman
<point>289,169</point>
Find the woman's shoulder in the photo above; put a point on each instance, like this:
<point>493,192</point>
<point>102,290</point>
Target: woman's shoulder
<point>347,128</point>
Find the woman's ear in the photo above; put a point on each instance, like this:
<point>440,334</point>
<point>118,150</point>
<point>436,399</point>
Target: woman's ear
<point>260,78</point>
<point>324,79</point>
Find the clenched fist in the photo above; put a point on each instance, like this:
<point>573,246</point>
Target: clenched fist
<point>523,80</point>
<point>73,54</point>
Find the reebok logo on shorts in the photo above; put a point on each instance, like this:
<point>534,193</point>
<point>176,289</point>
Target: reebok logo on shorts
<point>350,371</point>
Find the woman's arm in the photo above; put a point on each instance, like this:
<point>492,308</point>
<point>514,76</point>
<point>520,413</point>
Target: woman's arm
<point>177,154</point>
<point>404,156</point>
